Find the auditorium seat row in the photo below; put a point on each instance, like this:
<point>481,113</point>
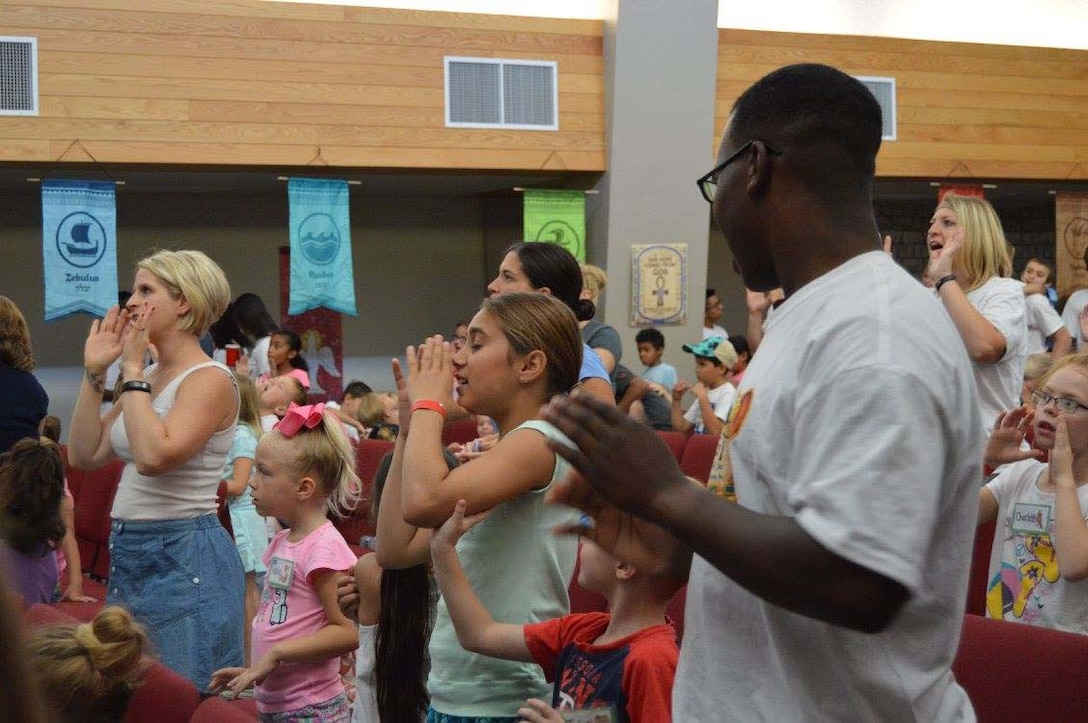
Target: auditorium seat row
<point>989,663</point>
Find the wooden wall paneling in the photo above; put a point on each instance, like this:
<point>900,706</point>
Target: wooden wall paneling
<point>196,81</point>
<point>1001,111</point>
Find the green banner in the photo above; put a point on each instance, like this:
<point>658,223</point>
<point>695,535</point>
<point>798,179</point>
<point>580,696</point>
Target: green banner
<point>558,217</point>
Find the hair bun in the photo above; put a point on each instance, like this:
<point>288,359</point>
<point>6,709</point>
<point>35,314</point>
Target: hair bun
<point>584,310</point>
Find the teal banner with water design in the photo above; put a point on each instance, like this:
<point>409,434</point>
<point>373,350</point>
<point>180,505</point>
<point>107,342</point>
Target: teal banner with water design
<point>321,271</point>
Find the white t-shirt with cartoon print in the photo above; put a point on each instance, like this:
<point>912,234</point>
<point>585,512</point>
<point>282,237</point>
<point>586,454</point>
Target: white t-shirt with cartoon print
<point>1024,583</point>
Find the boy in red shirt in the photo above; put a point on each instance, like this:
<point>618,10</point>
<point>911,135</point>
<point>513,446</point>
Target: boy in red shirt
<point>624,661</point>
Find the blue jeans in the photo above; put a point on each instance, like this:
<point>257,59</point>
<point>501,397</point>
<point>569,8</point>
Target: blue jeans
<point>184,581</point>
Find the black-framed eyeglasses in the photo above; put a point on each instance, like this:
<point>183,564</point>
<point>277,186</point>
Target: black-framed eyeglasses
<point>708,184</point>
<point>1065,404</point>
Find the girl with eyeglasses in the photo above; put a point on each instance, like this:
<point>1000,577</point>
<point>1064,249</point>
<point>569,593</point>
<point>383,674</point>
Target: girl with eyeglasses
<point>1040,545</point>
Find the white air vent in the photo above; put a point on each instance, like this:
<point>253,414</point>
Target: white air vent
<point>18,76</point>
<point>883,89</point>
<point>497,93</point>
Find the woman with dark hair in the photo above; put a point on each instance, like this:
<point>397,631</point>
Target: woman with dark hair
<point>251,316</point>
<point>22,397</point>
<point>550,269</point>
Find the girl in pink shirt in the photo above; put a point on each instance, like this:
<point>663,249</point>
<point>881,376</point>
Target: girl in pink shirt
<point>304,467</point>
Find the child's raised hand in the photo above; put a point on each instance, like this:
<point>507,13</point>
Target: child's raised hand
<point>430,372</point>
<point>1061,457</point>
<point>241,367</point>
<point>679,390</point>
<point>1004,445</point>
<point>404,405</point>
<point>455,526</point>
<point>537,711</point>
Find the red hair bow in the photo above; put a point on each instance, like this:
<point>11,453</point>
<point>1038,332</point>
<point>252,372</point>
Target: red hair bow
<point>298,417</point>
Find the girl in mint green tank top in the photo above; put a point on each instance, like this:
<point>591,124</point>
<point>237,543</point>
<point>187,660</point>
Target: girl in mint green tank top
<point>523,349</point>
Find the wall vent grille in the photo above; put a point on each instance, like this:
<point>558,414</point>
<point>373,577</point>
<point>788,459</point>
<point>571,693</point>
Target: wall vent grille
<point>498,93</point>
<point>883,89</point>
<point>18,75</point>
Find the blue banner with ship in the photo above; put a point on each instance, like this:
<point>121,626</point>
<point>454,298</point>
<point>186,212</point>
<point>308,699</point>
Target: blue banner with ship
<point>321,271</point>
<point>79,247</point>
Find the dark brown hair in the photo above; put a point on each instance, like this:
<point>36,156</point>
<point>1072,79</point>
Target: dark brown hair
<point>14,337</point>
<point>31,488</point>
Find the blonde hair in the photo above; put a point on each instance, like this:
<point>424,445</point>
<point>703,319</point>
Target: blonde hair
<point>594,280</point>
<point>371,409</point>
<point>985,251</point>
<point>249,405</point>
<point>193,275</point>
<point>1036,365</point>
<point>326,453</point>
<point>1079,361</point>
<point>88,672</point>
<point>14,337</point>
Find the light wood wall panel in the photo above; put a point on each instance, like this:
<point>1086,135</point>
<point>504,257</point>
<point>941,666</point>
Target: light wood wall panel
<point>964,110</point>
<point>251,82</point>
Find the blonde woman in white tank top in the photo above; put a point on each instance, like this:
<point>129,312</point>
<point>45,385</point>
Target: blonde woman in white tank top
<point>172,563</point>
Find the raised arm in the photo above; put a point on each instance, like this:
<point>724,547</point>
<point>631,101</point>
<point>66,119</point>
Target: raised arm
<point>985,342</point>
<point>206,402</point>
<point>676,409</point>
<point>88,436</point>
<point>709,412</point>
<point>400,545</point>
<point>631,467</point>
<point>477,631</point>
<point>521,461</point>
<point>1070,537</point>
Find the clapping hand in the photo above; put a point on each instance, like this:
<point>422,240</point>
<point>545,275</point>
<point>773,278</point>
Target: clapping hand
<point>430,372</point>
<point>105,341</point>
<point>624,475</point>
<point>1006,440</point>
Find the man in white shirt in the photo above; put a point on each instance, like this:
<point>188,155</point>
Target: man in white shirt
<point>834,588</point>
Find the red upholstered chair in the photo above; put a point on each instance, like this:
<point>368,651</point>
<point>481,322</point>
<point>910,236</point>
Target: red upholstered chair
<point>368,454</point>
<point>222,710</point>
<point>221,509</point>
<point>463,431</point>
<point>163,697</point>
<point>1009,669</point>
<point>93,492</point>
<point>980,564</point>
<point>676,442</point>
<point>699,456</point>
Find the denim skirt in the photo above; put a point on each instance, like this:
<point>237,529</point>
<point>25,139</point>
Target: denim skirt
<point>184,581</point>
